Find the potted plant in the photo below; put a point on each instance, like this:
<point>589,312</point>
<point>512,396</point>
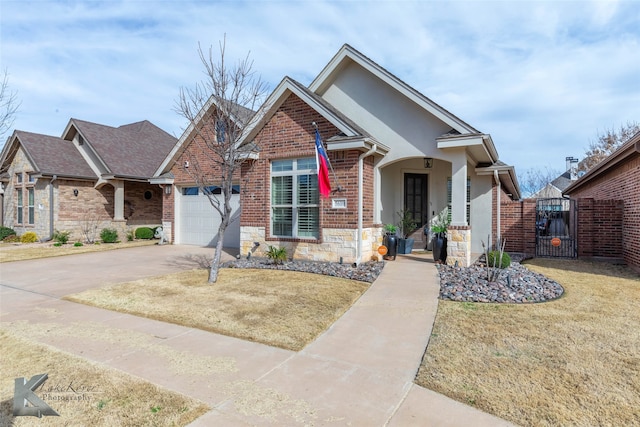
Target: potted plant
<point>390,241</point>
<point>439,225</point>
<point>408,226</point>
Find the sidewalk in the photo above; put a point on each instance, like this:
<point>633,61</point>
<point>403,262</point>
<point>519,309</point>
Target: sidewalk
<point>359,372</point>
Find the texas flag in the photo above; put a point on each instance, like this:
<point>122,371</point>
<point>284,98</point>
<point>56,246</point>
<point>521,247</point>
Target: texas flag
<point>323,167</point>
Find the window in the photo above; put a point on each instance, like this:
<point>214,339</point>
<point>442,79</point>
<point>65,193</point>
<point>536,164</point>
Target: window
<point>190,191</point>
<point>19,178</point>
<point>295,208</point>
<point>32,178</point>
<point>32,210</point>
<point>214,189</point>
<point>19,209</point>
<point>449,185</point>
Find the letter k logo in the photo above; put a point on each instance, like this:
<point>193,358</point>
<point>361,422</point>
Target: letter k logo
<point>24,395</point>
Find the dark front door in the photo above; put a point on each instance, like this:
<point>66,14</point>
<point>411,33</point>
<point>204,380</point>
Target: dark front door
<point>415,198</point>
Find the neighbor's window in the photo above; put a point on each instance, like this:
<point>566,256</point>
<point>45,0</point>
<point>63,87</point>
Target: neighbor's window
<point>19,178</point>
<point>295,210</point>
<point>19,210</point>
<point>32,209</point>
<point>449,185</point>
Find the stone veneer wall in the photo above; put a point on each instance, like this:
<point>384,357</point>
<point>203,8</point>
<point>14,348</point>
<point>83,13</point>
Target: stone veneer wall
<point>336,244</point>
<point>459,245</point>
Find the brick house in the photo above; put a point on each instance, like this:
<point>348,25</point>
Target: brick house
<point>613,182</point>
<point>92,177</point>
<point>391,149</point>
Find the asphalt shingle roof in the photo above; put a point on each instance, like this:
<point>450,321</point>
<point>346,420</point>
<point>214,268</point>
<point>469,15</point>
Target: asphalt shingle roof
<point>53,155</point>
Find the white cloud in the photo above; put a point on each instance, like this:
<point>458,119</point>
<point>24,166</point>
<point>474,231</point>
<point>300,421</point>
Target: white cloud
<point>542,77</point>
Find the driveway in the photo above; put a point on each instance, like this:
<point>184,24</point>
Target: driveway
<point>359,372</point>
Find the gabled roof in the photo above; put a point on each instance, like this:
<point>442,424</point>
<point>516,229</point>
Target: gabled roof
<point>348,54</point>
<point>627,150</point>
<point>506,175</point>
<point>134,150</point>
<point>48,155</point>
<point>349,130</point>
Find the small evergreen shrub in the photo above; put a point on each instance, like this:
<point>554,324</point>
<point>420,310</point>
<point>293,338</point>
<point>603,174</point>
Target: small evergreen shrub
<point>277,255</point>
<point>61,237</point>
<point>77,244</point>
<point>29,237</point>
<point>6,232</point>
<point>493,256</point>
<point>109,235</point>
<point>57,244</point>
<point>144,233</point>
<point>130,236</point>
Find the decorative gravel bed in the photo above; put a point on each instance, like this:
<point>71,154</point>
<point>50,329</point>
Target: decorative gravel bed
<point>516,284</point>
<point>365,272</point>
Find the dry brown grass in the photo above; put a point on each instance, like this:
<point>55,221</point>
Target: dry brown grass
<point>10,252</point>
<point>574,361</point>
<point>109,398</point>
<point>280,308</point>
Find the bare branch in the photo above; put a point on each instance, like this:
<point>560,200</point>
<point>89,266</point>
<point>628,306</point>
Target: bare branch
<point>9,105</point>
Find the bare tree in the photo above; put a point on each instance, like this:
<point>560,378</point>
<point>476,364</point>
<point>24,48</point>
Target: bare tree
<point>535,179</point>
<point>606,144</point>
<point>9,105</point>
<point>219,110</point>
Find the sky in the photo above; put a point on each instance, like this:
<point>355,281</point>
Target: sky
<point>544,78</point>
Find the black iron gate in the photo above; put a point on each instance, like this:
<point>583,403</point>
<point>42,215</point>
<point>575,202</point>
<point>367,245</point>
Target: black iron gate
<point>556,226</point>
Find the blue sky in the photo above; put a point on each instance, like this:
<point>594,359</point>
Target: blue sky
<point>544,78</point>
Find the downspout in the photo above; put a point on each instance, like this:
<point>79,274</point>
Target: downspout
<point>361,201</point>
<point>51,208</point>
<point>499,201</point>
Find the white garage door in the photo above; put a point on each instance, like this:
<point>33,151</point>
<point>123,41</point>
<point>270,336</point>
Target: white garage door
<point>198,221</point>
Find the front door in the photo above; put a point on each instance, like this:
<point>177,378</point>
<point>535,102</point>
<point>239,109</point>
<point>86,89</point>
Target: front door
<point>415,202</point>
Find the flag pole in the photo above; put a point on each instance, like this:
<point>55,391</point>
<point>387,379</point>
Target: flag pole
<point>335,177</point>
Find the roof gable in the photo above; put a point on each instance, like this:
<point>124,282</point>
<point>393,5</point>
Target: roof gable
<point>133,150</point>
<point>348,54</point>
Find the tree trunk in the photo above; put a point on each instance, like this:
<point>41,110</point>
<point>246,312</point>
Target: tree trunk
<point>215,262</point>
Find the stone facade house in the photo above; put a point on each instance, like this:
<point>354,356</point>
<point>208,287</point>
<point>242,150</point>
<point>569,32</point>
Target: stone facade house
<point>615,179</point>
<point>391,149</point>
<point>92,177</point>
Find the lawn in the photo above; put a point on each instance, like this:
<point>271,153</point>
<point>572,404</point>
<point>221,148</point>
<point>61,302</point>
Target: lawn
<point>572,361</point>
<point>85,393</point>
<point>285,309</point>
<point>18,252</point>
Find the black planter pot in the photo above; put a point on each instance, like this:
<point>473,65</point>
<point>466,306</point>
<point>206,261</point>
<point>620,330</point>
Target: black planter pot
<point>405,246</point>
<point>391,242</point>
<point>439,244</point>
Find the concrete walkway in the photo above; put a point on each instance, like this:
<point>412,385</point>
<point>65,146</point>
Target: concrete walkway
<point>359,372</point>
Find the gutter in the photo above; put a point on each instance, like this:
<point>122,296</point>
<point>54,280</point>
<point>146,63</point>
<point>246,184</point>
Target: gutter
<point>499,201</point>
<point>373,149</point>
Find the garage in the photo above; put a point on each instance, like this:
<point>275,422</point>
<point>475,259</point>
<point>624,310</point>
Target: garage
<point>198,221</point>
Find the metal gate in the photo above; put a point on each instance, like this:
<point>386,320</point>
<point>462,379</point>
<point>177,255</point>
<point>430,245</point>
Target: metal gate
<point>556,226</point>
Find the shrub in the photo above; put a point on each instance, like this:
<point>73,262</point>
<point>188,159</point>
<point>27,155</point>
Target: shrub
<point>6,232</point>
<point>29,237</point>
<point>144,233</point>
<point>11,239</point>
<point>493,259</point>
<point>77,244</point>
<point>109,235</point>
<point>130,236</point>
<point>57,244</point>
<point>61,237</point>
<point>277,255</point>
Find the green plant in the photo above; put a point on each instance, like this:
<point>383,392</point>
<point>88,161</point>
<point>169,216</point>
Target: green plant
<point>61,237</point>
<point>144,233</point>
<point>495,260</point>
<point>390,228</point>
<point>109,235</point>
<point>11,239</point>
<point>440,223</point>
<point>407,223</point>
<point>6,232</point>
<point>57,244</point>
<point>29,237</point>
<point>277,255</point>
<point>155,409</point>
<point>78,244</point>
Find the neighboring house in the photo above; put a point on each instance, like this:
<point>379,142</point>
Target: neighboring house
<point>617,178</point>
<point>555,188</point>
<point>391,149</point>
<point>92,177</point>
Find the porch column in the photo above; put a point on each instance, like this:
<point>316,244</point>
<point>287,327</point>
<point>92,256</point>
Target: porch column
<point>118,200</point>
<point>459,188</point>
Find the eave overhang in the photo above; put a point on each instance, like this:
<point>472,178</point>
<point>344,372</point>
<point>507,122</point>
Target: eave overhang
<point>507,176</point>
<point>479,146</point>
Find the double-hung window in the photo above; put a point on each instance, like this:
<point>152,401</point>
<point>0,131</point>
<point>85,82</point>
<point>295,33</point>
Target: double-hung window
<point>20,205</point>
<point>295,210</point>
<point>32,210</point>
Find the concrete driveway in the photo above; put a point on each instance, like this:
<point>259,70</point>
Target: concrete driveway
<point>359,372</point>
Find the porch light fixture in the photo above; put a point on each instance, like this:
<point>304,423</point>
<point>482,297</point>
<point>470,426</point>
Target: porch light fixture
<point>428,162</point>
<point>167,189</point>
<point>75,192</point>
